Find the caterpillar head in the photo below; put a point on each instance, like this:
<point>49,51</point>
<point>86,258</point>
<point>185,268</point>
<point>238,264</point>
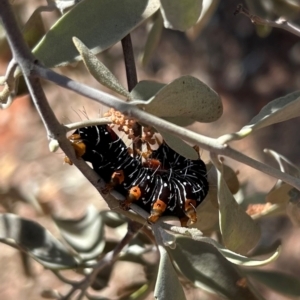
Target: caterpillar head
<point>78,145</point>
<point>92,141</point>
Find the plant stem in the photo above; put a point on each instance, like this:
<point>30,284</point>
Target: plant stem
<point>91,122</point>
<point>109,258</point>
<point>280,23</point>
<point>132,82</point>
<point>129,62</point>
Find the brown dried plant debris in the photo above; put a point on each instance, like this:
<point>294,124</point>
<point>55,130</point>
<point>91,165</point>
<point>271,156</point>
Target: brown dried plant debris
<point>126,124</point>
<point>254,209</point>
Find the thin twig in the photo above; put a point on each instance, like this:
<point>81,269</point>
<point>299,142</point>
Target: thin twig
<point>280,23</point>
<point>11,69</point>
<point>108,259</point>
<point>62,278</point>
<point>85,123</point>
<point>10,83</point>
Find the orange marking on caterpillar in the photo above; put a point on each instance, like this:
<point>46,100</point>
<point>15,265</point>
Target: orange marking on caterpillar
<point>117,177</point>
<point>157,210</point>
<point>133,195</point>
<point>78,146</point>
<point>190,210</point>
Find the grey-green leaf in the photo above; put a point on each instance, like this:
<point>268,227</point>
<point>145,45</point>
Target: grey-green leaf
<point>208,213</point>
<point>278,110</point>
<point>113,219</point>
<point>179,146</point>
<point>180,15</point>
<point>85,235</point>
<point>99,24</point>
<point>36,241</point>
<point>99,70</point>
<point>146,89</point>
<point>208,9</point>
<point>285,165</point>
<point>236,258</point>
<point>170,240</point>
<point>293,207</point>
<point>152,39</point>
<point>247,261</point>
<point>180,121</point>
<point>167,284</point>
<point>278,281</point>
<point>187,97</point>
<point>64,5</point>
<point>206,268</point>
<point>239,231</point>
<point>279,194</point>
<point>34,28</point>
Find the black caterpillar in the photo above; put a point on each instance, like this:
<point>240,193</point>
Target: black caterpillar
<point>166,184</point>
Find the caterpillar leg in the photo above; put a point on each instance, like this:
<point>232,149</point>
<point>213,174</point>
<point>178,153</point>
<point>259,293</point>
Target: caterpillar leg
<point>133,195</point>
<point>116,178</point>
<point>157,210</point>
<point>184,221</point>
<point>162,197</point>
<point>190,210</point>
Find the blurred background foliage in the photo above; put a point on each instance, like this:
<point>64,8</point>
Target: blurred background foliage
<point>247,65</point>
